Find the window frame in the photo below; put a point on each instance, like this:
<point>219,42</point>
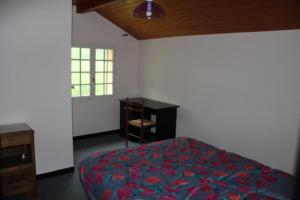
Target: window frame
<point>80,72</point>
<point>93,72</point>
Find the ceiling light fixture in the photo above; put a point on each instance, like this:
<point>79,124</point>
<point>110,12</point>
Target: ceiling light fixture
<point>149,10</point>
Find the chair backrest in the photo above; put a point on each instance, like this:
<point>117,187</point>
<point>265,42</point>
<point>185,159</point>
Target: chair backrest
<point>134,106</point>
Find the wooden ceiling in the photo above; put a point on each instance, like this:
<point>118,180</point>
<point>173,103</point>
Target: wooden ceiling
<point>199,17</point>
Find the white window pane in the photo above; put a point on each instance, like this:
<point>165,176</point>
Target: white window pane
<point>109,89</point>
<point>85,78</point>
<point>99,54</point>
<point>75,53</point>
<point>99,90</point>
<point>85,53</point>
<point>75,91</point>
<point>99,78</point>
<point>109,77</point>
<point>75,66</point>
<point>75,78</point>
<point>110,54</point>
<point>105,54</point>
<point>85,66</point>
<point>99,66</point>
<point>109,66</point>
<point>85,90</point>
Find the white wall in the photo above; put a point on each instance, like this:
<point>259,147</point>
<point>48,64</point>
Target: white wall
<point>102,113</point>
<point>239,91</point>
<point>35,40</point>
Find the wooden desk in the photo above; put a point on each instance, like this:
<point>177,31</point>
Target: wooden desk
<point>166,115</point>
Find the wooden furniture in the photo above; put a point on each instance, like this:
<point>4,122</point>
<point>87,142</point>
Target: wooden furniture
<point>17,160</point>
<point>141,123</point>
<point>165,113</point>
<point>195,17</point>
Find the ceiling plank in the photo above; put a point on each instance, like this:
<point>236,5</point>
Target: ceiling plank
<point>84,6</point>
<point>195,17</point>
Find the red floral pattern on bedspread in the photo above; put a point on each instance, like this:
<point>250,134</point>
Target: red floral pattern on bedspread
<point>180,169</point>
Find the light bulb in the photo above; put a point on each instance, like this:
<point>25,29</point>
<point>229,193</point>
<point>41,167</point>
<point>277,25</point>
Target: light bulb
<point>148,13</point>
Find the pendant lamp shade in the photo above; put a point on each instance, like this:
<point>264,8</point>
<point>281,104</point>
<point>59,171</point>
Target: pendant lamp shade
<point>149,10</point>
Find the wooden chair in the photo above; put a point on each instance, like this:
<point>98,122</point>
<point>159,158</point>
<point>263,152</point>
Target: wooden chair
<point>134,108</point>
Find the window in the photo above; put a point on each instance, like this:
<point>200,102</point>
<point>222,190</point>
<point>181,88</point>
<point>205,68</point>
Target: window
<point>92,71</point>
<point>104,72</point>
<point>81,72</point>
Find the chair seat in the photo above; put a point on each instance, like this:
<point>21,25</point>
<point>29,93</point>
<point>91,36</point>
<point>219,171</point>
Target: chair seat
<point>138,123</point>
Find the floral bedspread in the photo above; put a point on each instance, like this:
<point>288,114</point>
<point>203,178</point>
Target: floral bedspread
<point>183,169</point>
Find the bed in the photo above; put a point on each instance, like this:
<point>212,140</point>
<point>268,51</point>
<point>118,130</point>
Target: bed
<point>183,169</point>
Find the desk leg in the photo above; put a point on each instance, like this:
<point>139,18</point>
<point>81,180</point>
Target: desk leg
<point>166,124</point>
<point>31,195</point>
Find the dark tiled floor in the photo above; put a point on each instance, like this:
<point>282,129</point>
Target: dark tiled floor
<point>67,186</point>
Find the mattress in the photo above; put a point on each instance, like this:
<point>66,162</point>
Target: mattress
<point>181,169</point>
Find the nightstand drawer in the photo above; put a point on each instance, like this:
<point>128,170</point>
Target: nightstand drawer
<point>19,178</point>
<point>9,140</point>
<point>17,173</point>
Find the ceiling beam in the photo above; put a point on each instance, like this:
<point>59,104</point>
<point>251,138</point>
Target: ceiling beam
<point>83,6</point>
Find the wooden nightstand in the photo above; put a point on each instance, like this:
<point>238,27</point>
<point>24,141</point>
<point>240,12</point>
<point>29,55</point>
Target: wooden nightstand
<point>17,160</point>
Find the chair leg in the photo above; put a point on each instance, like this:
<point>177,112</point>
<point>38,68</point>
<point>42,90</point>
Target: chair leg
<point>142,136</point>
<point>126,139</point>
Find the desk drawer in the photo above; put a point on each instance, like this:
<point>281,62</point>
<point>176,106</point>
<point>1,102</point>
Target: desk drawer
<point>8,140</point>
